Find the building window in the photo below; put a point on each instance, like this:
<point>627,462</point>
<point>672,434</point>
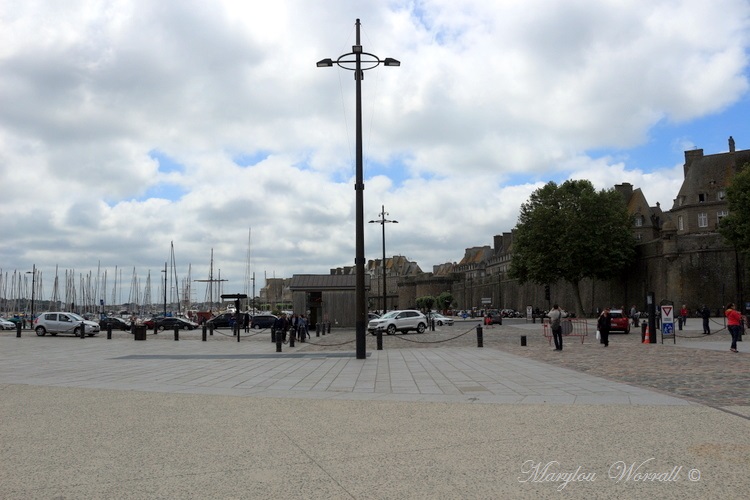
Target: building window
<point>638,236</point>
<point>720,215</point>
<point>680,223</point>
<point>638,221</point>
<point>701,198</point>
<point>703,219</point>
<point>721,195</point>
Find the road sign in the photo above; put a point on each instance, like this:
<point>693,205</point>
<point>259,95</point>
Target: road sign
<point>667,314</point>
<point>667,329</point>
<point>667,323</point>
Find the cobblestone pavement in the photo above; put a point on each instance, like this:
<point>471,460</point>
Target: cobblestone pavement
<point>692,368</point>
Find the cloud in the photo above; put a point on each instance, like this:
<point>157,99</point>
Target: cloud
<point>129,125</point>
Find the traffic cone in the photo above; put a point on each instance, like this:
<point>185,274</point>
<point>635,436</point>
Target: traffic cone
<point>647,337</point>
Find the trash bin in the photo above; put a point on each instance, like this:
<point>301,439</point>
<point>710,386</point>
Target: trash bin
<point>139,332</point>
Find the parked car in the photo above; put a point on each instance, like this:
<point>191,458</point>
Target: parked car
<point>372,316</point>
<point>116,323</point>
<point>441,320</point>
<point>64,322</point>
<point>401,321</point>
<point>7,325</point>
<point>619,321</point>
<point>495,318</point>
<point>169,323</point>
<point>223,320</point>
<point>263,321</point>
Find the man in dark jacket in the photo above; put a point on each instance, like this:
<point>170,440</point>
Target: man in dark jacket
<point>706,314</point>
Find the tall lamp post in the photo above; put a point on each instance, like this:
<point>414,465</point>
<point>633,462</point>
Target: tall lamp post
<point>33,287</point>
<point>359,61</point>
<point>383,221</point>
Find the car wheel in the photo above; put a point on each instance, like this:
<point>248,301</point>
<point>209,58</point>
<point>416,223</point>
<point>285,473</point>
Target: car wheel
<point>77,332</point>
<point>90,334</point>
<point>161,328</point>
<point>421,328</point>
<point>440,323</point>
<point>53,334</point>
<point>40,331</point>
<point>391,329</point>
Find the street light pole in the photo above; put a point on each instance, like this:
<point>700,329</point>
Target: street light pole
<point>33,287</point>
<point>165,289</point>
<point>383,221</point>
<point>370,61</point>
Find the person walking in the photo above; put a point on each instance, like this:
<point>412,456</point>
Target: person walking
<point>555,317</point>
<point>683,315</point>
<point>734,319</point>
<point>603,325</point>
<point>706,314</point>
<point>634,315</point>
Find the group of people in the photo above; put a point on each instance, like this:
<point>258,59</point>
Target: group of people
<point>297,325</point>
<point>603,324</point>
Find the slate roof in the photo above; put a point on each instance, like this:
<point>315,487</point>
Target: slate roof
<point>310,282</point>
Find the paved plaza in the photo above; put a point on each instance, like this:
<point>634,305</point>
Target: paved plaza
<point>430,416</point>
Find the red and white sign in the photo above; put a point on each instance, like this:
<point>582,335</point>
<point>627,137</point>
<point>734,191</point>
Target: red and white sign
<point>667,314</point>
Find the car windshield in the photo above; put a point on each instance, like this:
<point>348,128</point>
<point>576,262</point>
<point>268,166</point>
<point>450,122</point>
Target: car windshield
<point>75,316</point>
<point>391,314</point>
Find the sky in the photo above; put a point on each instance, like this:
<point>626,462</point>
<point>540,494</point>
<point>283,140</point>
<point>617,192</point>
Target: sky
<point>131,126</point>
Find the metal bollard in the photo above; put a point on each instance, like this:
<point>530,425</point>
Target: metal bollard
<point>156,330</point>
<point>480,338</point>
<point>211,329</point>
<point>237,330</point>
<point>432,326</point>
<point>273,334</point>
<point>291,338</point>
<point>317,329</point>
<point>204,332</point>
<point>643,331</point>
<point>323,328</point>
<point>533,318</point>
<point>302,335</point>
<point>679,322</point>
<point>380,338</point>
<point>278,341</point>
<point>18,329</point>
<point>523,340</point>
<point>329,327</point>
<point>177,332</point>
<point>109,331</point>
<point>83,329</point>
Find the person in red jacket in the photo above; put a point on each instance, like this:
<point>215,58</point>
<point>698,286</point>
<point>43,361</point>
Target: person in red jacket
<point>733,325</point>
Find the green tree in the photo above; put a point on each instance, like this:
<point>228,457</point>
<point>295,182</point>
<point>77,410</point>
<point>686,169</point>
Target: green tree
<point>425,303</point>
<point>444,301</point>
<point>736,226</point>
<point>571,232</point>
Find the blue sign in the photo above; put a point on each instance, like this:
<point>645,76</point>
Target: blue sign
<point>667,329</point>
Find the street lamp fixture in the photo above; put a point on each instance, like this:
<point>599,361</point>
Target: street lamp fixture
<point>359,61</point>
<point>383,221</point>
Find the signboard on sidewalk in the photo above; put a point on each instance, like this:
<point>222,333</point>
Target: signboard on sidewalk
<point>667,322</point>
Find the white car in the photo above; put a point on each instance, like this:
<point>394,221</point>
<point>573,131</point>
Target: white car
<point>441,320</point>
<point>64,322</point>
<point>401,321</point>
<point>7,325</point>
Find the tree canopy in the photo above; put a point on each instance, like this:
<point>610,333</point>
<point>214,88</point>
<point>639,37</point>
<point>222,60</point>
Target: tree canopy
<point>736,226</point>
<point>571,232</point>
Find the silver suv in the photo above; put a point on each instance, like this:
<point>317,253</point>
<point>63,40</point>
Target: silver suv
<point>401,321</point>
<point>63,322</point>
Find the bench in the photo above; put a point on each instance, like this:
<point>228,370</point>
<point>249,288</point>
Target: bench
<point>571,327</point>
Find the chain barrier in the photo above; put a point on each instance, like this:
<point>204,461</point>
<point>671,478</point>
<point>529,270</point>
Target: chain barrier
<point>216,330</point>
<point>438,341</point>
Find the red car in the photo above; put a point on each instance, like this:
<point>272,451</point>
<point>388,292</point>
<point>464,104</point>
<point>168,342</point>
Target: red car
<point>618,321</point>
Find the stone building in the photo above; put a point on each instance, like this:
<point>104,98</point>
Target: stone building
<point>680,255</point>
<point>395,269</point>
